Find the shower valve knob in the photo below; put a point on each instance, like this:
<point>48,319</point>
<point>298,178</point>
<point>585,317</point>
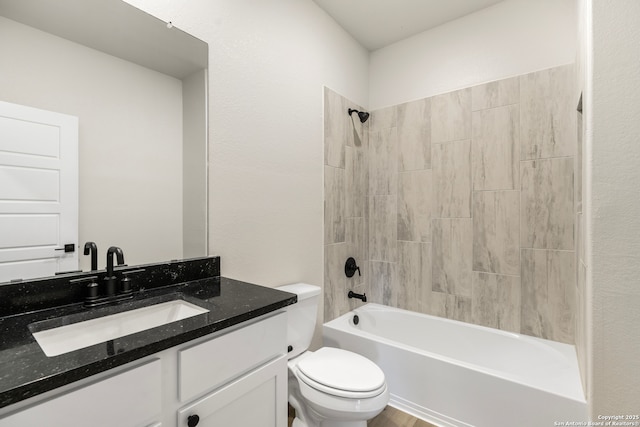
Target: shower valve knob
<point>350,267</point>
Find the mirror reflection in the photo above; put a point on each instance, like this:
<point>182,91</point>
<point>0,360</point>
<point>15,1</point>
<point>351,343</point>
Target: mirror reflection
<point>138,90</point>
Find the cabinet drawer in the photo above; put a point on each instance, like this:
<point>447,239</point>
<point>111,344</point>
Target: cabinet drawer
<point>210,364</point>
<point>134,400</point>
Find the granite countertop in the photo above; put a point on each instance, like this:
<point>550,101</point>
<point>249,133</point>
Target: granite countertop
<point>25,370</point>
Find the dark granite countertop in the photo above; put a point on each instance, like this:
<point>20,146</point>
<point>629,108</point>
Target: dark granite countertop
<point>25,370</point>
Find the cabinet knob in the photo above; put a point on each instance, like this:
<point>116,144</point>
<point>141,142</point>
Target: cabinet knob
<point>193,420</point>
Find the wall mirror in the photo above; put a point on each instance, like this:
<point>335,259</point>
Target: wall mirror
<point>138,86</point>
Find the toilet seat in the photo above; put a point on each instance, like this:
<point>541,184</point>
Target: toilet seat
<point>341,373</point>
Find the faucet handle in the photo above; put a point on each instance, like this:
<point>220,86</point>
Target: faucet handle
<point>350,267</point>
<point>126,281</point>
<point>92,288</point>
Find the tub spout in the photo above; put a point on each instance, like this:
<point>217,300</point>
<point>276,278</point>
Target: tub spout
<point>362,297</point>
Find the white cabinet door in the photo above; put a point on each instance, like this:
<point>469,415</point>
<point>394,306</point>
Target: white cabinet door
<point>258,399</point>
<point>38,192</point>
<point>129,399</point>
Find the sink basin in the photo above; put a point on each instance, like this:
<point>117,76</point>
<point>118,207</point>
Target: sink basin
<point>79,335</point>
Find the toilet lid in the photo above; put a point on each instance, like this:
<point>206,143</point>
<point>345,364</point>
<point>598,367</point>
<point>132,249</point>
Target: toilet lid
<point>339,369</point>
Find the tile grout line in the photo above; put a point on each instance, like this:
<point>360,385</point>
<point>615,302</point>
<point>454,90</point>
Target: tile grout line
<point>546,158</point>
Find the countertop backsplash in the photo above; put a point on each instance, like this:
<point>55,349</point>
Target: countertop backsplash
<point>56,291</point>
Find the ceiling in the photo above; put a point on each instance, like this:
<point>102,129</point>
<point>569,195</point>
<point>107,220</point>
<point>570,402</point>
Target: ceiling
<point>378,23</point>
<point>115,28</point>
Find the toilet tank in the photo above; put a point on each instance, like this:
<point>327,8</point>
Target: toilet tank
<point>301,316</point>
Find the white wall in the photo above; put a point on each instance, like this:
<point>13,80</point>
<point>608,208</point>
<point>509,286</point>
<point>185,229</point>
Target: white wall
<point>510,38</point>
<point>268,63</point>
<point>613,221</point>
<point>130,139</point>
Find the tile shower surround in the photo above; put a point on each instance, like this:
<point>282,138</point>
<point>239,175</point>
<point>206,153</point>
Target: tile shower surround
<point>460,205</point>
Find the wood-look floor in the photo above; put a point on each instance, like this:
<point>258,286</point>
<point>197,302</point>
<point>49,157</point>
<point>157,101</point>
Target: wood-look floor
<point>390,417</point>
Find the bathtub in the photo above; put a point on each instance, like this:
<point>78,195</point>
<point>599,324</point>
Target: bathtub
<point>455,374</point>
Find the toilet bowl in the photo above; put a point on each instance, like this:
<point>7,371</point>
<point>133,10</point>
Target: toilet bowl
<point>329,387</point>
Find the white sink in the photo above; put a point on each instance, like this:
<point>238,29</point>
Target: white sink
<point>72,337</point>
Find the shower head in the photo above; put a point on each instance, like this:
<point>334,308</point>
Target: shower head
<point>363,115</point>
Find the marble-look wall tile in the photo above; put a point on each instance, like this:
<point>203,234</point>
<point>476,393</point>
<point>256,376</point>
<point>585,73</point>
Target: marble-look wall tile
<point>548,294</point>
<point>357,181</point>
<point>335,297</point>
<point>452,179</point>
<point>496,234</point>
<point>451,307</point>
<point>383,283</point>
<point>414,135</point>
<point>546,204</point>
<point>496,149</point>
<point>431,191</point>
<point>547,113</point>
<point>414,206</point>
<point>452,256</point>
<point>384,118</point>
<point>336,131</point>
<point>383,164</point>
<point>496,301</point>
<point>360,137</point>
<point>357,236</point>
<point>495,94</point>
<point>334,205</point>
<point>356,130</point>
<point>383,236</point>
<point>579,166</point>
<point>451,116</point>
<point>414,276</point>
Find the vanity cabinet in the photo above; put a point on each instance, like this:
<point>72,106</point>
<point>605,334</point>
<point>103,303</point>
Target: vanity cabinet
<point>131,398</point>
<point>234,377</point>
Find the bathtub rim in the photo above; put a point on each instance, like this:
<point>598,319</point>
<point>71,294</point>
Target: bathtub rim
<point>566,350</point>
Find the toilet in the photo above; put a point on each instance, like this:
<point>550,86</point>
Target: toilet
<point>329,387</point>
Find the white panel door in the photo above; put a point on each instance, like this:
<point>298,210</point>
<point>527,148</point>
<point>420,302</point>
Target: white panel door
<point>38,192</point>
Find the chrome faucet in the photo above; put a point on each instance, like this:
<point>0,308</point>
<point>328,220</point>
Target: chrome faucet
<point>110,279</point>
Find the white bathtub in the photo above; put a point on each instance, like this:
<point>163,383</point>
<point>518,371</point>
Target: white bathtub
<point>456,374</point>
